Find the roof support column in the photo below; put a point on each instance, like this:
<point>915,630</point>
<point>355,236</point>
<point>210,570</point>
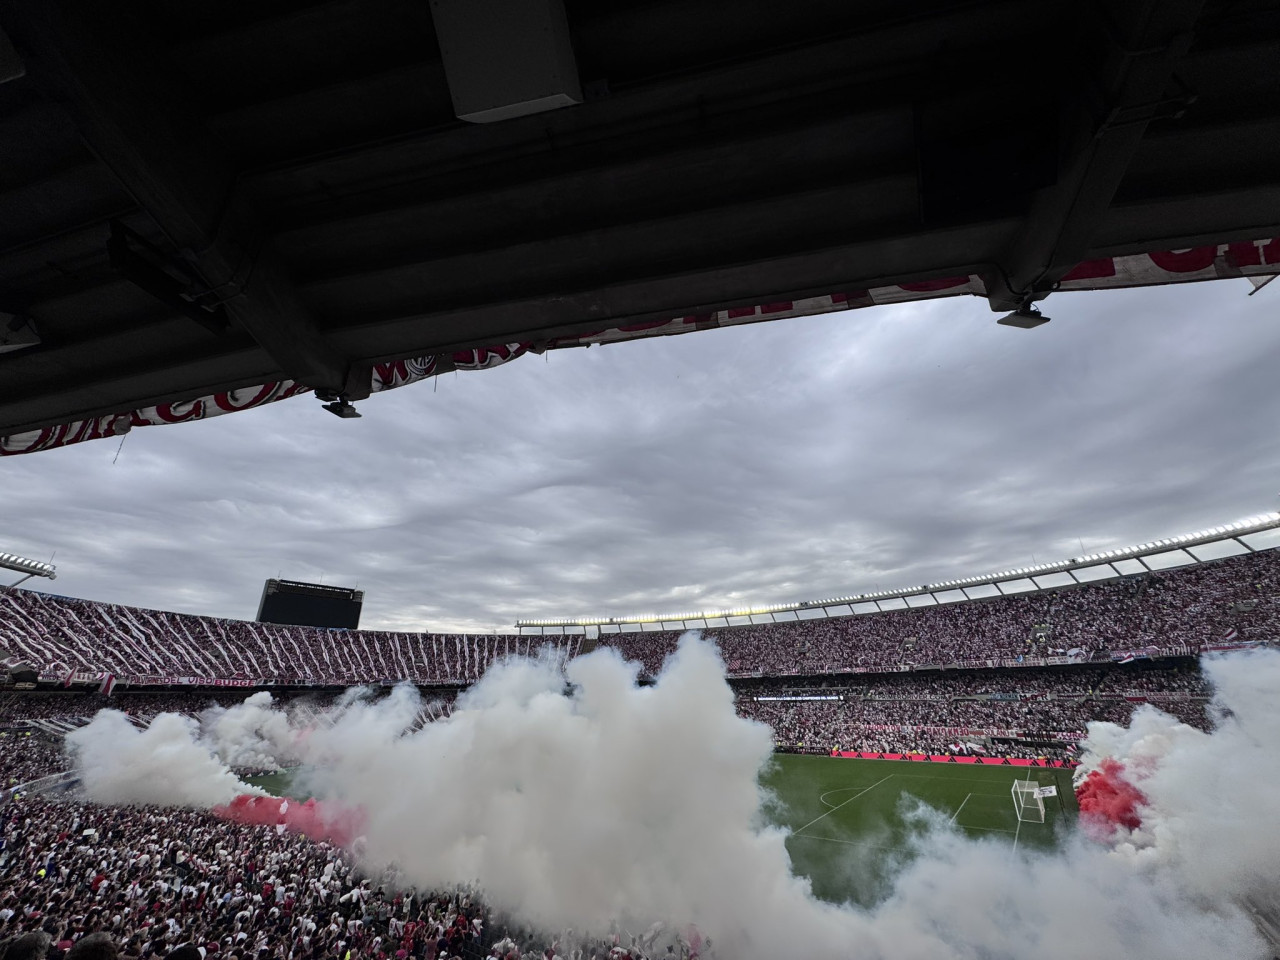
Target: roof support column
<point>134,113</point>
<point>1145,39</point>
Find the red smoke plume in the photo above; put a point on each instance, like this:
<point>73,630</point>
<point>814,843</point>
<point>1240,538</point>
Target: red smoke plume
<point>338,825</point>
<point>1108,800</point>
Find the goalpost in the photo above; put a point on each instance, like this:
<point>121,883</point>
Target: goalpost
<point>1028,800</point>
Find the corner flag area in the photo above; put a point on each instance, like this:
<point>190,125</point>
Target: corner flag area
<point>852,822</point>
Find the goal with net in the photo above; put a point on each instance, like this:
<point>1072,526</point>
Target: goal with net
<point>1028,801</point>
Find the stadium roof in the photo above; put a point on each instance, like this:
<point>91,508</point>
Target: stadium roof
<point>209,205</point>
<point>1178,547</point>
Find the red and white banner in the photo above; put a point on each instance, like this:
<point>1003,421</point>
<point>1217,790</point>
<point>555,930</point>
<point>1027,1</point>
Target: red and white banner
<point>156,680</point>
<point>1253,259</point>
<point>68,677</point>
<point>952,758</point>
<point>936,730</point>
<point>106,682</point>
<point>1226,647</point>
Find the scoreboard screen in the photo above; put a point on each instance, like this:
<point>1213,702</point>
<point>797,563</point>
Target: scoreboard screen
<point>300,604</point>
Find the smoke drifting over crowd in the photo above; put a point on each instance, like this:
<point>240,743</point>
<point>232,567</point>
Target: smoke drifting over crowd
<point>621,803</point>
<point>166,763</point>
<point>251,734</point>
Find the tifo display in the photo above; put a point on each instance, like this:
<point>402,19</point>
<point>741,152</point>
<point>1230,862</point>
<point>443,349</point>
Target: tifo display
<point>1230,602</point>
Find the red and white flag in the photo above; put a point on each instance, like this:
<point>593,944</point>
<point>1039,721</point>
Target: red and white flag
<point>108,684</point>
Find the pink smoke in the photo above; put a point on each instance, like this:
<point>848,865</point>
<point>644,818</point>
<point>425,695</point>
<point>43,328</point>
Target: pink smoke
<point>319,821</point>
<point>1108,801</point>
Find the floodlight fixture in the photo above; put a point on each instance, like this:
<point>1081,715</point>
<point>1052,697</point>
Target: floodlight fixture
<point>343,409</point>
<point>1026,317</point>
<point>337,404</point>
<point>29,568</point>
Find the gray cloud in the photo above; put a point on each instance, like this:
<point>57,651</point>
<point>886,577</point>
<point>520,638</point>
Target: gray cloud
<point>796,459</point>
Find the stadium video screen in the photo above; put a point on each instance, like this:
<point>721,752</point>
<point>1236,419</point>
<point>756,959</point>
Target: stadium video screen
<point>310,605</point>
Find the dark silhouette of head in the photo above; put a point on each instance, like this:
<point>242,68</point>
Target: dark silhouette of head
<point>96,946</point>
<point>29,946</point>
<point>187,952</point>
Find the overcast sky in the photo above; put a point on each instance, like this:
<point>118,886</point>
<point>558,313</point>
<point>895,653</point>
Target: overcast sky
<point>797,459</point>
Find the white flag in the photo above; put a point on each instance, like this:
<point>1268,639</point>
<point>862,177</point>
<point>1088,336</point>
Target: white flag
<point>1042,792</point>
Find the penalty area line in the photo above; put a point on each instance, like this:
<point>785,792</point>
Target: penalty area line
<point>852,843</point>
<point>839,805</point>
<point>822,799</point>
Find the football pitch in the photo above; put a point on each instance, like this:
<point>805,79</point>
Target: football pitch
<point>281,784</point>
<point>851,822</point>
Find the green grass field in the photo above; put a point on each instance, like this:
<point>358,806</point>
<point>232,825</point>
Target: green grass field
<point>851,821</point>
<point>281,784</point>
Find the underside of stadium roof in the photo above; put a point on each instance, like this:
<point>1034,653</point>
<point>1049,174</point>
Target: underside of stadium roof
<point>276,196</point>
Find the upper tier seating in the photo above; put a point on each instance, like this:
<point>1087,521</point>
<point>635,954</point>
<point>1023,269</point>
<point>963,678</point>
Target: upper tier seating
<point>1178,610</point>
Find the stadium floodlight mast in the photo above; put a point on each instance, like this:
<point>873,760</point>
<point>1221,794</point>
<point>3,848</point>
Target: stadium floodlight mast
<point>29,568</point>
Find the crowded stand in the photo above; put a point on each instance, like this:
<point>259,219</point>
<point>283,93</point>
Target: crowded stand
<point>147,882</point>
<point>26,756</point>
<point>142,705</point>
<point>862,711</point>
<point>876,668</point>
<point>1157,678</point>
<point>64,636</point>
<point>1173,611</point>
<point>1180,610</point>
<point>76,704</point>
<point>916,726</point>
<point>911,711</point>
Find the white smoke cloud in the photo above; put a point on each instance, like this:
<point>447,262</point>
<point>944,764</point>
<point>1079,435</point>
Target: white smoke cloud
<point>643,803</point>
<point>1211,798</point>
<point>250,734</point>
<point>164,763</point>
<point>617,802</point>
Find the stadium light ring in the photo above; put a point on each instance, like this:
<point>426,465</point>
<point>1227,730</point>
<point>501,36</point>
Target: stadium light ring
<point>1253,524</point>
